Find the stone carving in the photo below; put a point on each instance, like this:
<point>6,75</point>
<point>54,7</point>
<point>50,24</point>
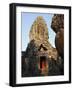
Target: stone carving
<point>58,26</point>
<point>39,34</point>
<point>40,57</point>
<point>57,22</point>
<point>39,30</point>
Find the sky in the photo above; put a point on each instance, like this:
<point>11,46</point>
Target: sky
<point>27,20</point>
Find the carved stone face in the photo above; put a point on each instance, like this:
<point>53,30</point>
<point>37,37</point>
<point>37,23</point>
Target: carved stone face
<point>57,22</point>
<point>39,30</point>
<point>58,26</point>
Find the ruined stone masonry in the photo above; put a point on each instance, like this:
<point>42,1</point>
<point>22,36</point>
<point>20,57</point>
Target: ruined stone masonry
<point>58,27</point>
<point>40,57</point>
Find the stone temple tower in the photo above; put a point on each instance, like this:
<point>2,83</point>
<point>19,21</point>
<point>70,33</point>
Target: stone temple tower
<point>39,51</point>
<point>39,30</point>
<point>40,35</point>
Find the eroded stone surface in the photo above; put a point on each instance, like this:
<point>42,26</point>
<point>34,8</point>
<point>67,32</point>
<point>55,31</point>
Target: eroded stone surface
<point>58,27</point>
<point>40,58</point>
<point>39,34</point>
<point>57,22</point>
<point>39,30</point>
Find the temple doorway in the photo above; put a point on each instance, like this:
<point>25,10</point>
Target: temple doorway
<point>42,62</point>
<point>43,65</point>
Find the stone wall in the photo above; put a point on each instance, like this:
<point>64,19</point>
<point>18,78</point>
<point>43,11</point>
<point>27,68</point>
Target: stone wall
<point>39,46</point>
